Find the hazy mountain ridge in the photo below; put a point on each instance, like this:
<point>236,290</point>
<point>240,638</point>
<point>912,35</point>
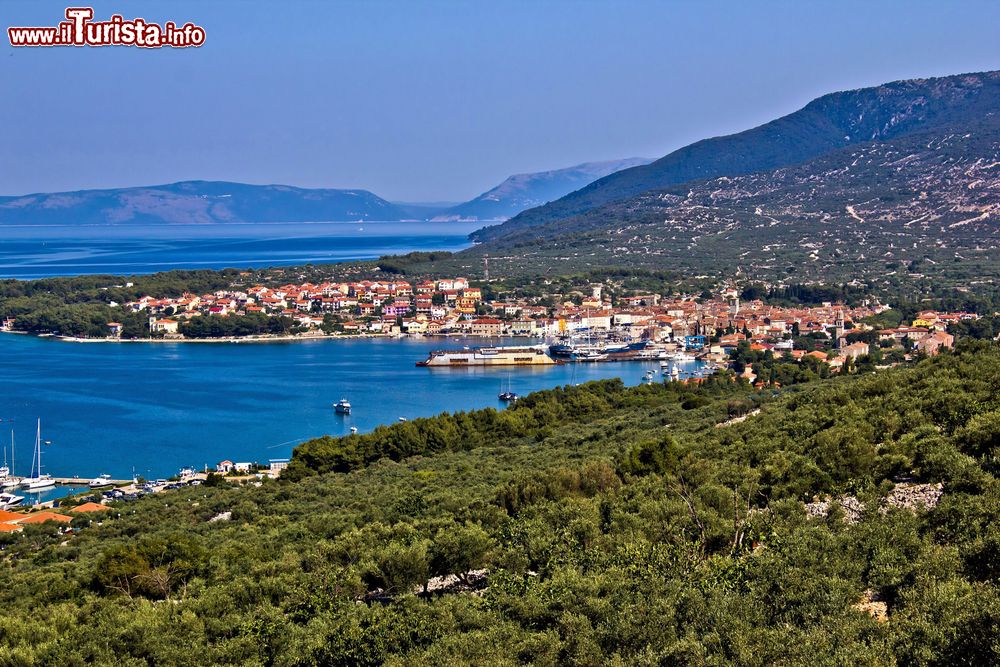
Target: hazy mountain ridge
<point>826,124</point>
<point>523,191</point>
<point>209,202</point>
<point>197,202</point>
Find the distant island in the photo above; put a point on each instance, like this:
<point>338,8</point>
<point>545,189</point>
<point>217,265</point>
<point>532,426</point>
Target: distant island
<point>218,202</point>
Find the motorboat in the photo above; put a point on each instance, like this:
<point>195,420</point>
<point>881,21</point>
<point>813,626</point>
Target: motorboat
<point>101,482</point>
<point>343,407</point>
<point>8,500</point>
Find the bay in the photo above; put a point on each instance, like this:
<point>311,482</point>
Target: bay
<point>154,407</point>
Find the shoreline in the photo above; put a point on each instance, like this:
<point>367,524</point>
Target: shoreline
<point>257,339</point>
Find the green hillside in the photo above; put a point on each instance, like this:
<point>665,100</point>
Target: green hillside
<point>584,526</point>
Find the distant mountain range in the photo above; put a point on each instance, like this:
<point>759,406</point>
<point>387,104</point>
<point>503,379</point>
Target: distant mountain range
<point>827,124</point>
<point>524,191</point>
<point>202,202</point>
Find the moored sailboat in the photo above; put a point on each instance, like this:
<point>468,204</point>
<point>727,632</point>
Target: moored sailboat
<point>37,481</point>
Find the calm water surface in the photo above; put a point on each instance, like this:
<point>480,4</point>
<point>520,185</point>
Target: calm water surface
<point>41,251</point>
<point>107,407</point>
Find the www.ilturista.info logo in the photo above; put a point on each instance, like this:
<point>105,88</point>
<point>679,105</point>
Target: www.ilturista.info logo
<point>80,30</point>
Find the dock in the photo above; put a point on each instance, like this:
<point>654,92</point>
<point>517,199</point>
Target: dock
<point>74,481</point>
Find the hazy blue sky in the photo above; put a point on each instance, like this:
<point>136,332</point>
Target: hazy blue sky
<point>441,100</point>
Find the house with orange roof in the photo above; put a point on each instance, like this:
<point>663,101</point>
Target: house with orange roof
<point>88,507</point>
<point>45,516</point>
<point>7,516</point>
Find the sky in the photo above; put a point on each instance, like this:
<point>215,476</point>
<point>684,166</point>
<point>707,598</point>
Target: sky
<point>441,100</point>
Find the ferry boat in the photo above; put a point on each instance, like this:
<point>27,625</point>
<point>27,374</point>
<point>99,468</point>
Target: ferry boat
<point>100,482</point>
<point>37,481</point>
<point>342,406</point>
<point>489,356</point>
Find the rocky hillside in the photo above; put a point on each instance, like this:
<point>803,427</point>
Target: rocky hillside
<point>825,126</point>
<point>197,202</point>
<point>923,203</point>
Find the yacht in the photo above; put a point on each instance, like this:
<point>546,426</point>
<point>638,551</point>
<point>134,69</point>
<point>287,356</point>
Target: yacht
<point>101,482</point>
<point>8,500</point>
<point>37,481</point>
<point>7,479</point>
<point>343,406</point>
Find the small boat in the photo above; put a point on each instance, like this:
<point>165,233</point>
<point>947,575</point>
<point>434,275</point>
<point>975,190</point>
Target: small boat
<point>8,500</point>
<point>508,395</point>
<point>37,481</point>
<point>101,482</point>
<point>342,407</point>
<point>402,419</point>
<point>354,429</point>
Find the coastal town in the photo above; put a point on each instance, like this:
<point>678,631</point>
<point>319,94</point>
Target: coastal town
<point>712,326</point>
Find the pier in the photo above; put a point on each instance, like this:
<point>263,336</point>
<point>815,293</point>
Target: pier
<point>74,481</point>
<point>78,481</point>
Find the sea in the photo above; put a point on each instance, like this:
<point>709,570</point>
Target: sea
<point>149,409</point>
<point>36,251</point>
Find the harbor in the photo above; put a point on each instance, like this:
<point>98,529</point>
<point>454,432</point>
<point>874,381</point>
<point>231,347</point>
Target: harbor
<point>195,405</point>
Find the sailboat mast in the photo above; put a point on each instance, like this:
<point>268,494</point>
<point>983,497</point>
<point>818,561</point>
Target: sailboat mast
<point>38,445</point>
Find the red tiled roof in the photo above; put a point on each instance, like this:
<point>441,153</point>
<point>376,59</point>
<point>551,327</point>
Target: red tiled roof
<point>42,517</point>
<point>89,507</point>
<point>6,516</point>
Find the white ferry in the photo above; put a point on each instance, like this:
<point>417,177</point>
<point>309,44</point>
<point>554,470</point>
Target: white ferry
<point>490,356</point>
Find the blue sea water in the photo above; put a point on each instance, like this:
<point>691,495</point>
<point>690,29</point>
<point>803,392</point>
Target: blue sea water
<point>109,407</point>
<point>29,252</point>
<point>154,407</point>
